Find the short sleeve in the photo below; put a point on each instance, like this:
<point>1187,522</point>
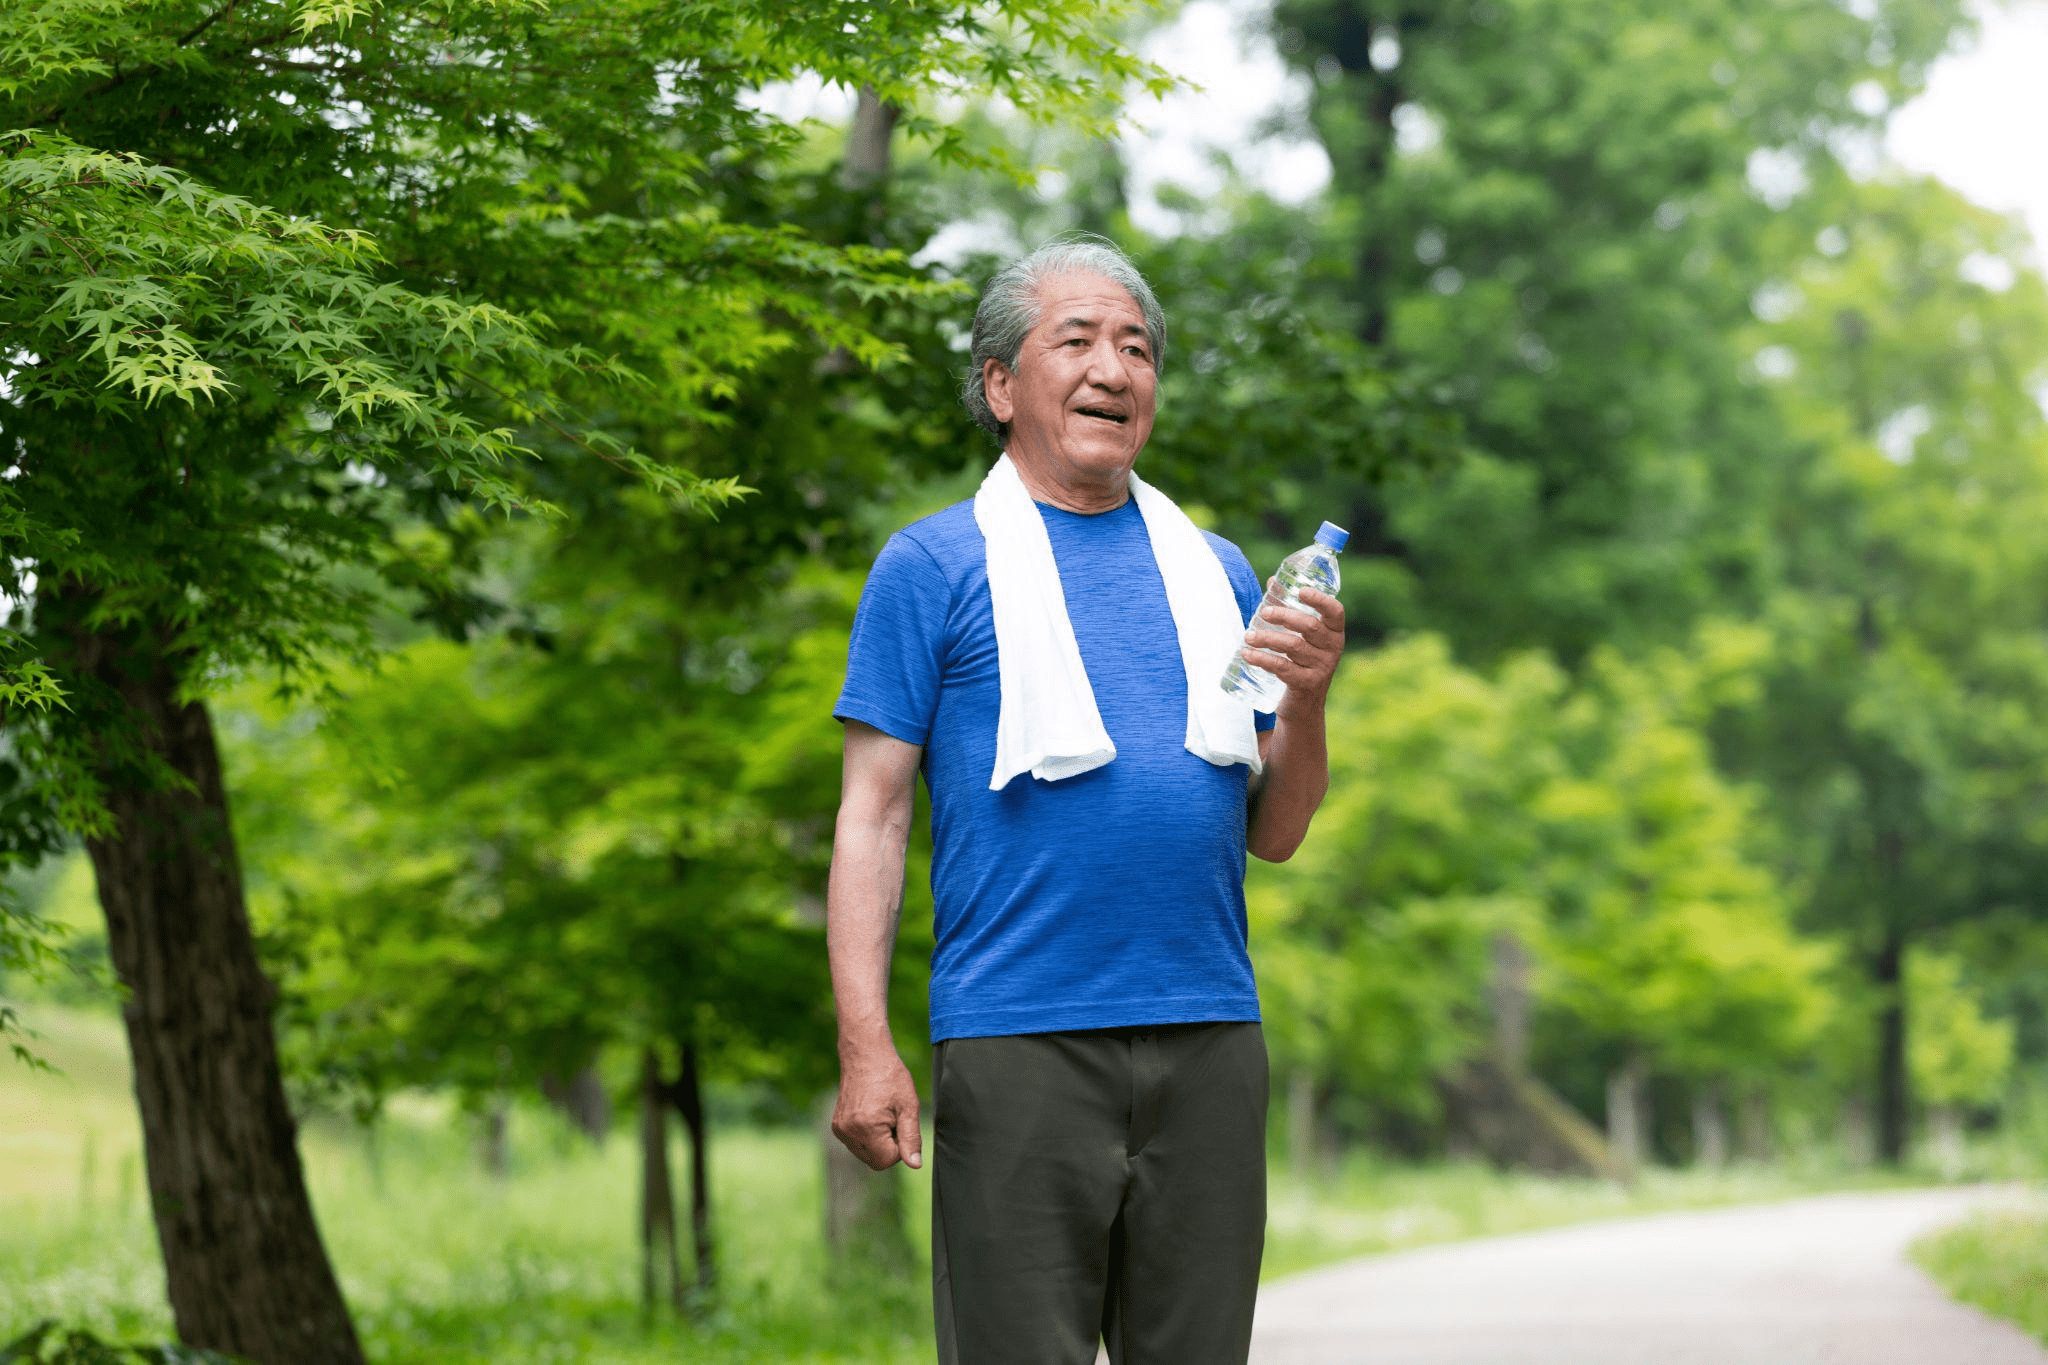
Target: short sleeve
<point>895,655</point>
<point>1250,592</point>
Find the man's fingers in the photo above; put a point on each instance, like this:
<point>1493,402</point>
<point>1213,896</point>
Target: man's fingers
<point>880,1145</point>
<point>909,1139</point>
<point>1311,613</point>
<point>1274,642</point>
<point>1274,662</point>
<point>1299,622</point>
<point>881,1152</point>
<point>872,1142</point>
<point>876,1119</point>
<point>886,1146</point>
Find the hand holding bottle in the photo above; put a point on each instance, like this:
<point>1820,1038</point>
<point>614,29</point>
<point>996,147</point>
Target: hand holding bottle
<point>1301,648</point>
<point>1297,634</point>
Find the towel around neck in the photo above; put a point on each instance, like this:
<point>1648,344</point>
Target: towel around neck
<point>1049,725</point>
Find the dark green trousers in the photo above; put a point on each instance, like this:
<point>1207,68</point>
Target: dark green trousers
<point>1099,1185</point>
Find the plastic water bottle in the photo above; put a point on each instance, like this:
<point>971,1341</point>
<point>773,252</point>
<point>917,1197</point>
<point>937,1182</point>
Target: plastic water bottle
<point>1312,566</point>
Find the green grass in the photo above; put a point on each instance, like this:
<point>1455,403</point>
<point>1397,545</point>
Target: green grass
<point>440,1261</point>
<point>443,1262</point>
<point>1999,1262</point>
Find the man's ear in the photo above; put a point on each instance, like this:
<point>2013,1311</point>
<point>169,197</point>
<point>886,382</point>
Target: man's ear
<point>995,386</point>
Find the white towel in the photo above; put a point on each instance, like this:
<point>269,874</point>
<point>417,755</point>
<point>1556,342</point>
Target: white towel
<point>1049,724</point>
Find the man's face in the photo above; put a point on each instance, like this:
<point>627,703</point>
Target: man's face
<point>1080,401</point>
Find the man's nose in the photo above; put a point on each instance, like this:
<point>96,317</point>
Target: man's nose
<point>1104,371</point>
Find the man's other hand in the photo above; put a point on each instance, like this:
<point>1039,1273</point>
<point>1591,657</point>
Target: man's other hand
<point>876,1116</point>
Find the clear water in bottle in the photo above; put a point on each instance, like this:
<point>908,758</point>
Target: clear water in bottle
<point>1312,566</point>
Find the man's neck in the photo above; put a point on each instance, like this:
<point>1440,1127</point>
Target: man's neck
<point>1085,500</point>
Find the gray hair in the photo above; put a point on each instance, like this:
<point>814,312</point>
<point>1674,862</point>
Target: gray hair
<point>1009,309</point>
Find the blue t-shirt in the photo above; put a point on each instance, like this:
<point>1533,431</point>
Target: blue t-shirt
<point>1112,897</point>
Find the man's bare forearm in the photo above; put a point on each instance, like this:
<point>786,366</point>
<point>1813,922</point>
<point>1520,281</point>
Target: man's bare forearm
<point>863,905</point>
<point>1295,780</point>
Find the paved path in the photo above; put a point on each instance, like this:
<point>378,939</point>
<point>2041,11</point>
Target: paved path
<point>1816,1281</point>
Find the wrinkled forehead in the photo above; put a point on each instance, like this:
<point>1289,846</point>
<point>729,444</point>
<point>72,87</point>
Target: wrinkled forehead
<point>1083,300</point>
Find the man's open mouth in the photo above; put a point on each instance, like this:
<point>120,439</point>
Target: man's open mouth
<point>1103,414</point>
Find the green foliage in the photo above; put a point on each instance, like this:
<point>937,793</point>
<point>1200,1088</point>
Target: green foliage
<point>1542,208</point>
<point>50,1343</point>
<point>493,884</point>
<point>1371,942</point>
<point>132,283</point>
<point>294,289</point>
<point>1901,730</point>
<point>32,685</point>
<point>1585,818</point>
<point>1672,934</point>
<point>1956,1054</point>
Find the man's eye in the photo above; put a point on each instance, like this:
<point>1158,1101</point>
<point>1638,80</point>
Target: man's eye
<point>1138,351</point>
<point>1076,341</point>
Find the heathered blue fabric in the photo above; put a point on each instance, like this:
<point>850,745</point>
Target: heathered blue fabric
<point>1110,898</point>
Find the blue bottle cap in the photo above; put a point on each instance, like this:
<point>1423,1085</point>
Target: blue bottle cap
<point>1333,535</point>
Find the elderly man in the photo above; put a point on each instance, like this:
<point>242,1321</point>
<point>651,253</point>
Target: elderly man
<point>1046,653</point>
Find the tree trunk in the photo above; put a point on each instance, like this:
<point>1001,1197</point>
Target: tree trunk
<point>1709,1126</point>
<point>373,1153</point>
<point>863,1207</point>
<point>1508,994</point>
<point>1519,1123</point>
<point>582,1097</point>
<point>657,1193</point>
<point>865,165</point>
<point>1374,96</point>
<point>1458,1144</point>
<point>492,1147</point>
<point>1370,98</point>
<point>1857,1147</point>
<point>1893,1095</point>
<point>689,1098</point>
<point>1495,1107</point>
<point>243,1260</point>
<point>1316,1143</point>
<point>1945,1139</point>
<point>1301,1122</point>
<point>864,169</point>
<point>1627,1114</point>
<point>1758,1142</point>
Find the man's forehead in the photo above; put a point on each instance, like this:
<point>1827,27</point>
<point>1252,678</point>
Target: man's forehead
<point>1086,300</point>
